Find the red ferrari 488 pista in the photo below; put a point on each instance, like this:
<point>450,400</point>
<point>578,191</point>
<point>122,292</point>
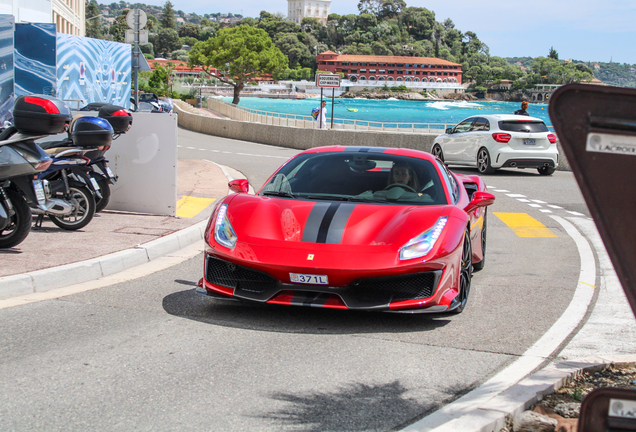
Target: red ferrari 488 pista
<point>363,228</point>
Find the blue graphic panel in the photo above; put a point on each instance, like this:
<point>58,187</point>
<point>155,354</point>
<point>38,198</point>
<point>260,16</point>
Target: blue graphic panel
<point>35,59</point>
<point>6,67</point>
<point>92,70</point>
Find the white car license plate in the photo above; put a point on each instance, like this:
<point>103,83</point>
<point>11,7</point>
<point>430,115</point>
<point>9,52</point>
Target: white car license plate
<point>309,279</point>
<point>39,191</point>
<point>109,172</point>
<point>529,141</point>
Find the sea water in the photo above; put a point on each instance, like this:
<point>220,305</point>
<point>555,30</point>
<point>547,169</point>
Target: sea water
<point>394,110</point>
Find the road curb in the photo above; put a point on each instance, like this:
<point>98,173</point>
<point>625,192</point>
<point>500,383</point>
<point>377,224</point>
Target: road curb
<point>491,416</point>
<point>95,268</point>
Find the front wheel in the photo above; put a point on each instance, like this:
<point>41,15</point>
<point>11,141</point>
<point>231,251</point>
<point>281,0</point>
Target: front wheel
<point>20,223</point>
<point>483,162</point>
<point>546,171</point>
<point>437,152</point>
<point>83,203</point>
<point>465,275</point>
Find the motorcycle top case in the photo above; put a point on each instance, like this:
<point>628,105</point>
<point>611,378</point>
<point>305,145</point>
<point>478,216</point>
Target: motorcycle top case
<point>41,114</point>
<point>91,132</point>
<point>117,116</point>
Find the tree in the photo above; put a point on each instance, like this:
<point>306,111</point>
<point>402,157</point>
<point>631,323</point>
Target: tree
<point>166,41</point>
<point>167,17</point>
<point>189,30</point>
<point>93,21</point>
<point>238,53</point>
<point>553,54</point>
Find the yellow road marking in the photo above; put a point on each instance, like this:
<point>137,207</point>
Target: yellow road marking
<point>189,207</point>
<point>585,283</point>
<point>524,225</point>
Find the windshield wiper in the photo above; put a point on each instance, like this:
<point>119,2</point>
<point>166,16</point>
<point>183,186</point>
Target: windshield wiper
<point>280,194</point>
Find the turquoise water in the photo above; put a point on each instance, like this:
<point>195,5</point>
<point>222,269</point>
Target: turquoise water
<point>394,111</point>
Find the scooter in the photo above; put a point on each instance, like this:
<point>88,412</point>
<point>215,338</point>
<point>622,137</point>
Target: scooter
<point>69,181</point>
<point>21,160</point>
<point>86,135</point>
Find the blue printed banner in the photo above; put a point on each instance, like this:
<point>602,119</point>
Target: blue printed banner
<point>92,70</point>
<point>6,68</point>
<point>35,59</point>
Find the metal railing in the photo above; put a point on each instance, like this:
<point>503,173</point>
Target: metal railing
<point>307,122</point>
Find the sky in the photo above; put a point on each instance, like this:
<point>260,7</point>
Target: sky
<point>586,30</point>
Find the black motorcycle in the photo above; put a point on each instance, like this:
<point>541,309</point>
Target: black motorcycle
<point>21,160</point>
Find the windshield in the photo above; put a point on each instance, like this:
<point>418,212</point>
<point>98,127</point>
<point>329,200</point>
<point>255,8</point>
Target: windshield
<point>523,126</point>
<point>360,177</point>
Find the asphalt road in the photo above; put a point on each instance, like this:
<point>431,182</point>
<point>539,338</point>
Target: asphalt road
<point>150,354</point>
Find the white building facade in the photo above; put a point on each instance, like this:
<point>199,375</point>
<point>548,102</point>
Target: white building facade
<point>67,14</point>
<point>299,9</point>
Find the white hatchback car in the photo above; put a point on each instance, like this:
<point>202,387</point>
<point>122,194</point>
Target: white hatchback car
<point>497,141</point>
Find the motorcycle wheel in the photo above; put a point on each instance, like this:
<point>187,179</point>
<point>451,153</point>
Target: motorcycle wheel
<point>83,201</point>
<point>20,224</point>
<point>104,189</point>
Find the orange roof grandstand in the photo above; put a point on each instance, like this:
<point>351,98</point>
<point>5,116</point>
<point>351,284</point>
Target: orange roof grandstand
<point>388,59</point>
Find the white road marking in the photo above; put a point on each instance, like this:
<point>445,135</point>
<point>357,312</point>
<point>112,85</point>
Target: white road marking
<point>554,206</point>
<point>535,205</point>
<point>545,211</point>
<point>575,213</point>
<point>516,195</point>
<point>523,200</point>
<point>539,202</point>
<point>240,154</point>
<point>501,190</point>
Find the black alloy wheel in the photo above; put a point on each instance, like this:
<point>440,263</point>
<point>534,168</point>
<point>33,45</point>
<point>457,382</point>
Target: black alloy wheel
<point>466,274</point>
<point>437,152</point>
<point>83,202</point>
<point>483,162</point>
<point>480,265</point>
<point>546,171</point>
<point>20,223</point>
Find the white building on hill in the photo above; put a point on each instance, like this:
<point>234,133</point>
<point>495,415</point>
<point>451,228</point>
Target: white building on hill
<point>299,9</point>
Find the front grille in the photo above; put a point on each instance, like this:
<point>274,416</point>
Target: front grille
<point>395,288</point>
<point>224,273</point>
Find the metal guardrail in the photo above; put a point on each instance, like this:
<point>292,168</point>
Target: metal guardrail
<point>307,122</point>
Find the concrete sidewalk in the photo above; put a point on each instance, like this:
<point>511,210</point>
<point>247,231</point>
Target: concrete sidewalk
<point>112,242</point>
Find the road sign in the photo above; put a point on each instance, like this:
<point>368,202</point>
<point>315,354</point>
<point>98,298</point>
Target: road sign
<point>327,80</point>
<point>130,18</point>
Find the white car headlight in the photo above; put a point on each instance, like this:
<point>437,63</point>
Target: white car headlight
<point>423,243</point>
<point>223,232</point>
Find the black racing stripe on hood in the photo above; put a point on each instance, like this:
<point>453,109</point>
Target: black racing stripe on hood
<point>326,222</point>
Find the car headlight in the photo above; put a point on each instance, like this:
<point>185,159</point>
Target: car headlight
<point>423,243</point>
<point>223,232</point>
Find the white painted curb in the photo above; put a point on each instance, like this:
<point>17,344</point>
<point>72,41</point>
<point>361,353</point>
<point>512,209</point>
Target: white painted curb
<point>95,268</point>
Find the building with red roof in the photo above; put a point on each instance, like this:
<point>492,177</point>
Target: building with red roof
<point>375,70</point>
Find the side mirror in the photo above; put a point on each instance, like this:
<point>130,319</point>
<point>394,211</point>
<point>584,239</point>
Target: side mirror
<point>449,131</point>
<point>239,186</point>
<point>480,199</point>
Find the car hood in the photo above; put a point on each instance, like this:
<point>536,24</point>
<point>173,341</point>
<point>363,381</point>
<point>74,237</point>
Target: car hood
<point>272,220</point>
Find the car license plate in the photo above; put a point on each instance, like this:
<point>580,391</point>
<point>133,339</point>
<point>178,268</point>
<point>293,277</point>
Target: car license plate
<point>529,141</point>
<point>110,173</point>
<point>39,191</point>
<point>94,183</point>
<point>309,279</point>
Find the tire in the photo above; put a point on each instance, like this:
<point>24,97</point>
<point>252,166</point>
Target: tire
<point>20,224</point>
<point>104,189</point>
<point>465,274</point>
<point>546,171</point>
<point>84,201</point>
<point>437,152</point>
<point>483,162</point>
<point>480,265</point>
